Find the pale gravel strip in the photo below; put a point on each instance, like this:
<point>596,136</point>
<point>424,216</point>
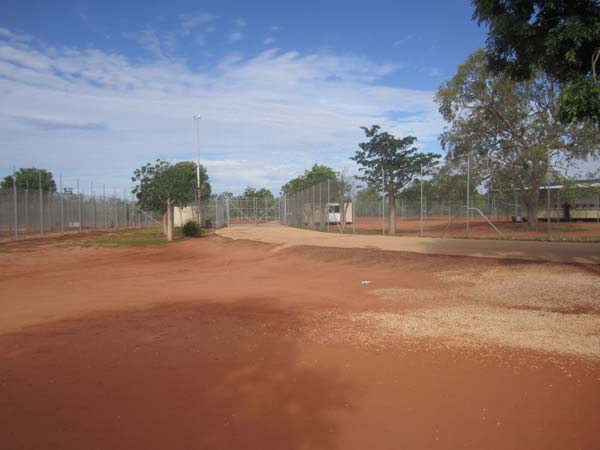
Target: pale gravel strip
<point>572,334</point>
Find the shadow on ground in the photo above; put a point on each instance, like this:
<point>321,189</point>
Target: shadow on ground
<point>185,376</point>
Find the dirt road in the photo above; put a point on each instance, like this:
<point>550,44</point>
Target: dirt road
<point>570,252</point>
<point>218,344</point>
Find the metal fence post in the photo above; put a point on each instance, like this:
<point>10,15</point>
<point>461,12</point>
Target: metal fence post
<point>320,207</point>
<point>421,205</point>
<point>104,206</point>
<point>62,208</point>
<point>93,198</point>
<point>26,206</point>
<point>16,209</point>
<point>41,204</point>
<point>328,201</point>
<point>125,209</point>
<point>79,207</point>
<point>227,212</point>
<point>353,214</point>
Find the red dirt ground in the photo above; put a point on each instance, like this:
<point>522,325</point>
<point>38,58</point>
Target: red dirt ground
<point>208,344</point>
<point>435,226</point>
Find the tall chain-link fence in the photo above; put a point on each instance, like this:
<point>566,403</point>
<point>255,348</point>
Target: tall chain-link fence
<point>36,212</point>
<point>345,207</point>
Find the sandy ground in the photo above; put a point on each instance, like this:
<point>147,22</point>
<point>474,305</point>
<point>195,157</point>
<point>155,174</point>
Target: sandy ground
<point>569,252</point>
<point>217,343</point>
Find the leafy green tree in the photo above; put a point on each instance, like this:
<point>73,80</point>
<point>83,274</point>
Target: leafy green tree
<point>161,186</point>
<point>510,130</point>
<point>560,37</point>
<point>260,194</point>
<point>388,164</point>
<point>317,174</point>
<point>30,178</point>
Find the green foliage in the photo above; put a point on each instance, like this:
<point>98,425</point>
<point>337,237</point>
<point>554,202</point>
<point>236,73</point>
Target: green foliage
<point>191,229</point>
<point>388,163</point>
<point>560,37</point>
<point>508,128</point>
<point>580,100</point>
<point>317,174</point>
<point>30,178</point>
<point>260,194</point>
<point>163,184</point>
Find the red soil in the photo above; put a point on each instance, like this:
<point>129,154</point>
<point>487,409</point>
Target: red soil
<point>436,226</point>
<point>206,344</point>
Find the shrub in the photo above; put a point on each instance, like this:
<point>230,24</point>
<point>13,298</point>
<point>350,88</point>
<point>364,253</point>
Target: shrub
<point>191,229</point>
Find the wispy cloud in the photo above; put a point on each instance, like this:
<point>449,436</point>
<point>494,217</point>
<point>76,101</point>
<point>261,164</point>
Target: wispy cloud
<point>148,39</point>
<point>235,36</point>
<point>265,118</point>
<point>190,22</point>
<point>239,22</point>
<point>46,124</point>
<point>274,28</point>
<point>269,40</point>
<point>405,39</point>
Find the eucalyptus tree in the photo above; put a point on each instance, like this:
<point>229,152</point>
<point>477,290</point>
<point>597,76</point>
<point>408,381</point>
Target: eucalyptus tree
<point>511,129</point>
<point>388,164</point>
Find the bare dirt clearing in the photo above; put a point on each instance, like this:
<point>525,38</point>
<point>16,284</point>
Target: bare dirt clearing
<point>215,343</point>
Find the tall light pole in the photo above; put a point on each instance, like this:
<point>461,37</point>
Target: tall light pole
<point>197,119</point>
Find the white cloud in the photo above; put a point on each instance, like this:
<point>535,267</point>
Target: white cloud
<point>405,39</point>
<point>239,22</point>
<point>236,36</point>
<point>269,40</point>
<point>148,39</point>
<point>98,115</point>
<point>190,22</point>
<point>274,28</point>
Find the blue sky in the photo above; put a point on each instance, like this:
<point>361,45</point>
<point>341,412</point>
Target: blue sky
<point>92,90</point>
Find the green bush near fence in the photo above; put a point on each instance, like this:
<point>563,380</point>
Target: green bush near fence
<point>191,229</point>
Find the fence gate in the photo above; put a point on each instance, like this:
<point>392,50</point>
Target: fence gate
<point>253,211</point>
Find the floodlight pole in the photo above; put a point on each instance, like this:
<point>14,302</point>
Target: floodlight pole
<point>197,119</point>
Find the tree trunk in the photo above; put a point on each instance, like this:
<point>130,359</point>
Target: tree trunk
<point>169,221</point>
<point>343,214</point>
<point>164,223</point>
<point>392,213</point>
<point>532,209</point>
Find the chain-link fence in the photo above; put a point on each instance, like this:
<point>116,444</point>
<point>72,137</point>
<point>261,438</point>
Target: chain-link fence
<point>343,206</point>
<point>31,212</point>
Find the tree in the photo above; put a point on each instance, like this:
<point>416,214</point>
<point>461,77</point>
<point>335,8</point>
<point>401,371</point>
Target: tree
<point>30,179</point>
<point>560,37</point>
<point>317,174</point>
<point>389,164</point>
<point>260,194</point>
<point>162,186</point>
<point>509,130</point>
<point>343,191</point>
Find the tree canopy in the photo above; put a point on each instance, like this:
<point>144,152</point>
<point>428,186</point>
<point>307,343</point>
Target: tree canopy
<point>509,129</point>
<point>260,194</point>
<point>560,37</point>
<point>388,164</point>
<point>30,178</point>
<point>317,174</point>
<point>162,185</point>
